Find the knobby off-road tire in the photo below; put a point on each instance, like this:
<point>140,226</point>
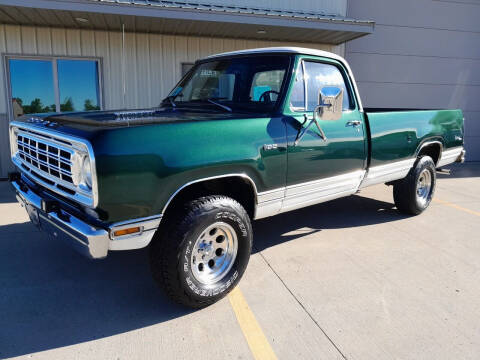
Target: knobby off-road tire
<point>413,194</point>
<point>203,251</point>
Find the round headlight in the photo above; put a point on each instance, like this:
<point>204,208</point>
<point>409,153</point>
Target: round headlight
<point>87,172</point>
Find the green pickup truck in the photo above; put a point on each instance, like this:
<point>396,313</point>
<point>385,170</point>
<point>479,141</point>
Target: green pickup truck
<point>244,135</point>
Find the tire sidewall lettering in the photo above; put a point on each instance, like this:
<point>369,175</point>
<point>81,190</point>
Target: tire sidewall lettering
<point>214,291</point>
<point>226,283</point>
<point>236,219</point>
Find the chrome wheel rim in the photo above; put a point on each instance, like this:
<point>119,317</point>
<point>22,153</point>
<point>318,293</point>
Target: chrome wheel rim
<point>214,253</point>
<point>424,186</point>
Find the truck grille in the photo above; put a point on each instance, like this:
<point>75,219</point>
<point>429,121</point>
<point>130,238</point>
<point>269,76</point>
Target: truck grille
<point>50,159</point>
<point>53,160</point>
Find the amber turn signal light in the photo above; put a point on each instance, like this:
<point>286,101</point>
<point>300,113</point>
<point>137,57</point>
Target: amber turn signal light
<point>128,231</point>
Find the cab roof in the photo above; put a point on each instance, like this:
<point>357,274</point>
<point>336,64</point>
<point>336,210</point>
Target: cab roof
<point>282,49</point>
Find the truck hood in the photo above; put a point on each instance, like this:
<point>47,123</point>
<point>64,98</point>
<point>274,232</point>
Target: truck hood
<point>87,124</point>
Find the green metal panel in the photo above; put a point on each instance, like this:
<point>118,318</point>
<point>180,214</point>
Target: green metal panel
<point>140,167</point>
<point>397,135</point>
<point>313,158</point>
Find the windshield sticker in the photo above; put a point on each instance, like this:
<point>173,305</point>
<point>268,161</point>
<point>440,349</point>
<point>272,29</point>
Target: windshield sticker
<point>209,73</point>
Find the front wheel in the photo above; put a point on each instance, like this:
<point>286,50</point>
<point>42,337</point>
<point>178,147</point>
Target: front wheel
<point>413,194</point>
<point>203,253</point>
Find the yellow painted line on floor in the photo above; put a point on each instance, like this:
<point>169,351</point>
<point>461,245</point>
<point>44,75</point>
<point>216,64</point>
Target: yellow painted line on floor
<point>258,343</point>
<point>455,206</point>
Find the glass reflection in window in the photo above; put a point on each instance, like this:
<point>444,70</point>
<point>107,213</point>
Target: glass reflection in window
<point>78,85</point>
<point>32,86</point>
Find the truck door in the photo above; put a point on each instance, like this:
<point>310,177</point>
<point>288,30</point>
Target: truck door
<point>322,168</point>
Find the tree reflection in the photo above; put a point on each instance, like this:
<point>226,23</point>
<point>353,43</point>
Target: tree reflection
<point>88,105</point>
<point>36,106</point>
<point>67,105</point>
<point>34,89</point>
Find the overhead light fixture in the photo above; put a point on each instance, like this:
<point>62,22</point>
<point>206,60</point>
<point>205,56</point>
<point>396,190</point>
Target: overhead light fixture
<point>82,20</point>
<point>261,31</point>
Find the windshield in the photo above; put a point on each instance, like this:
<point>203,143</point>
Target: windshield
<point>244,83</point>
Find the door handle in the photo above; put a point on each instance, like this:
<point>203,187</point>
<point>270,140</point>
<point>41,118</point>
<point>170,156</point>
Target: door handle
<point>353,123</point>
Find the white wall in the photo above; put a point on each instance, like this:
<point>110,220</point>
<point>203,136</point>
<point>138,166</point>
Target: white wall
<point>422,54</point>
<point>153,62</point>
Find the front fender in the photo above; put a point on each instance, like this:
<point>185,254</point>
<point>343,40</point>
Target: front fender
<point>140,168</point>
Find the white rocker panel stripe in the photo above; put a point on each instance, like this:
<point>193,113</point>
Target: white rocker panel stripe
<point>390,172</point>
<point>271,195</point>
<point>268,208</point>
<point>309,193</point>
<point>314,192</point>
<point>269,203</point>
<point>449,156</point>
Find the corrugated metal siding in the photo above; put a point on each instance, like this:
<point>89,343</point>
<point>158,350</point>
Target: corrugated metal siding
<point>153,62</point>
<point>338,7</point>
<point>185,18</point>
<point>423,54</point>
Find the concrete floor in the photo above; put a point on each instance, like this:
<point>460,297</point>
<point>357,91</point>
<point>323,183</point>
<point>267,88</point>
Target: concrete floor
<point>351,278</point>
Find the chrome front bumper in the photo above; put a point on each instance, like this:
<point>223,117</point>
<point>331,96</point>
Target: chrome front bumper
<point>91,241</point>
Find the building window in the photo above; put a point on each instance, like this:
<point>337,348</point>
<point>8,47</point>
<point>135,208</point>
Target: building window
<point>40,85</point>
<point>78,85</point>
<point>186,68</point>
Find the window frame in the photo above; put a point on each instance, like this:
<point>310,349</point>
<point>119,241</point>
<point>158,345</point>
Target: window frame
<point>56,85</point>
<point>341,69</point>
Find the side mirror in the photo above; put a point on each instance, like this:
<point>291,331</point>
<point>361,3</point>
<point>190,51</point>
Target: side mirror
<point>330,100</point>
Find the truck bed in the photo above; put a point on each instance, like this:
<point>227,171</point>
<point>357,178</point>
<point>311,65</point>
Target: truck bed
<point>396,134</point>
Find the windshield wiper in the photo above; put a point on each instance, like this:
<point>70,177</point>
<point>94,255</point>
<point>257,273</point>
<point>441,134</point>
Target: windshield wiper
<point>224,107</point>
<point>171,98</point>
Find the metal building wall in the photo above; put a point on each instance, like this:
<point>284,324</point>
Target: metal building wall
<point>338,7</point>
<point>423,54</point>
<point>153,62</point>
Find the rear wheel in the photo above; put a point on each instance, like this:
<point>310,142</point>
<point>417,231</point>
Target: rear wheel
<point>413,194</point>
<point>202,253</point>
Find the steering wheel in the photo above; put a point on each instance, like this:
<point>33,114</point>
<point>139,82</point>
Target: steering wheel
<point>264,98</point>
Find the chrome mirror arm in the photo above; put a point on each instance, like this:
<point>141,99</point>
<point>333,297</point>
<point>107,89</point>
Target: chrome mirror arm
<point>322,134</point>
<point>301,133</point>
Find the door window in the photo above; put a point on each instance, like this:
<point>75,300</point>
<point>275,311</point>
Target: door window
<point>308,84</point>
<point>297,98</point>
<point>53,85</point>
<point>319,75</point>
